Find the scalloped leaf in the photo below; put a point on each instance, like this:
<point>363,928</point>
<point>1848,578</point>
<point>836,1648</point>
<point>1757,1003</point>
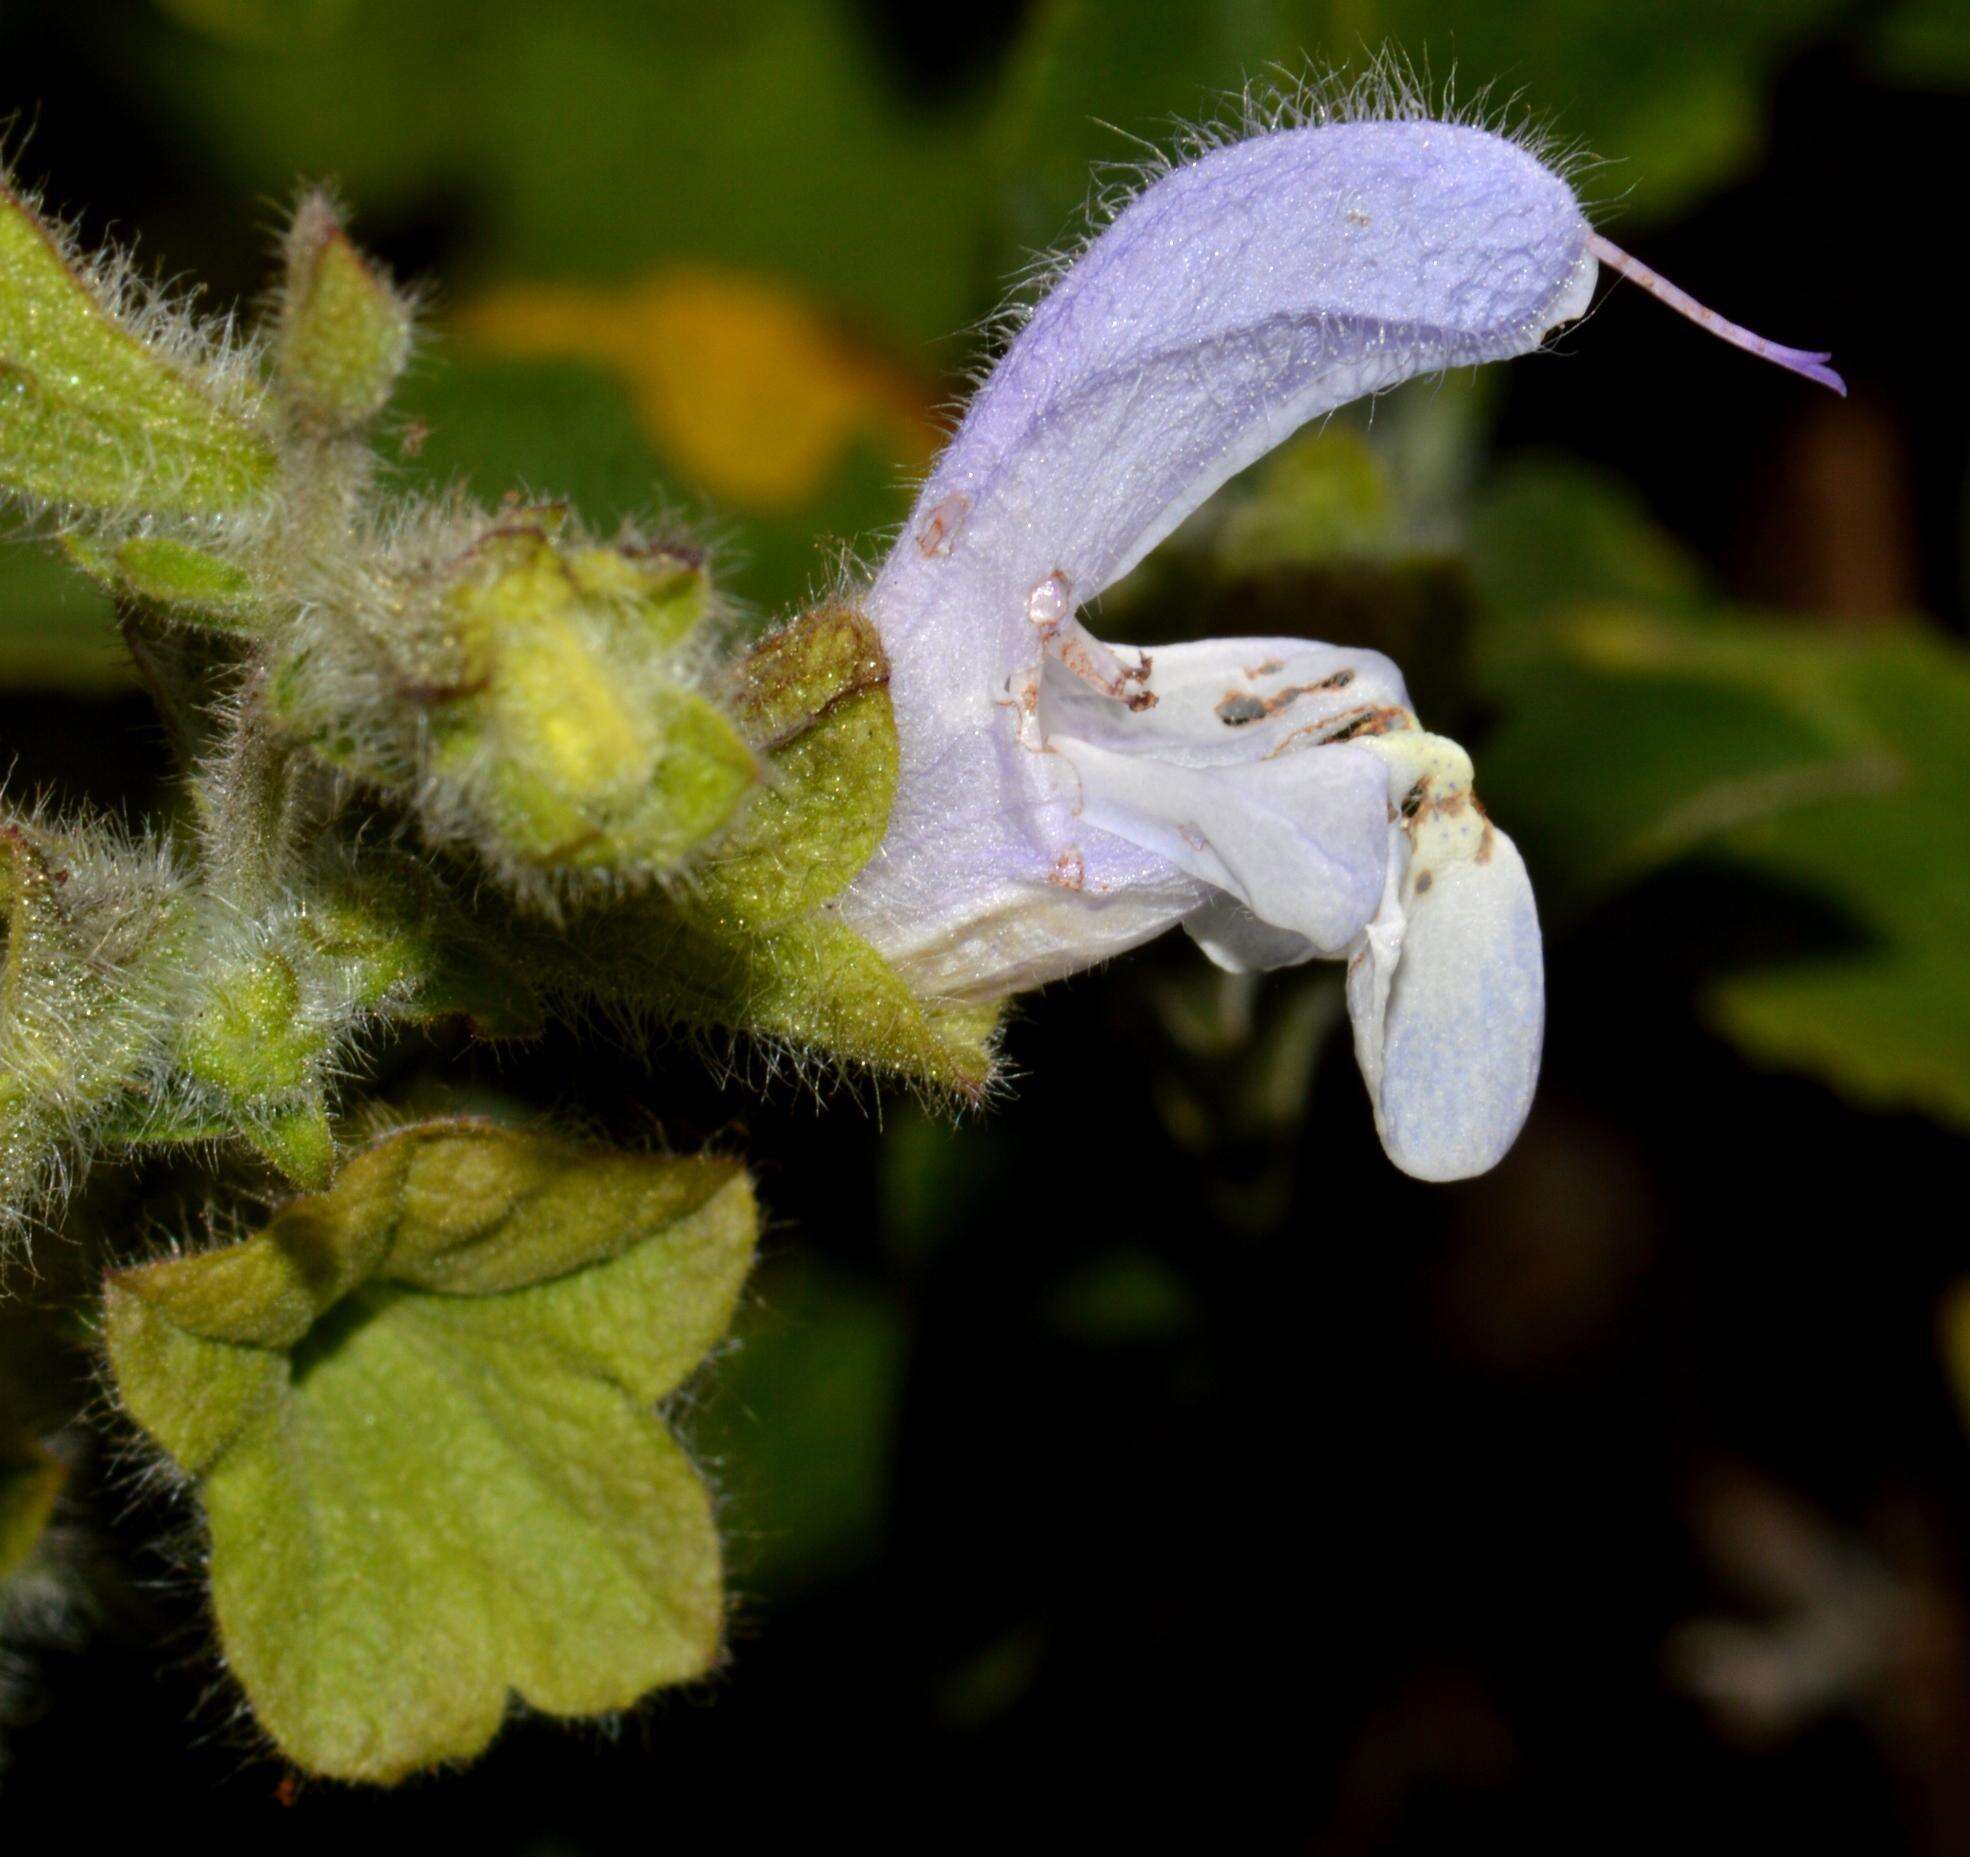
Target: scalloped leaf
<point>419,1408</point>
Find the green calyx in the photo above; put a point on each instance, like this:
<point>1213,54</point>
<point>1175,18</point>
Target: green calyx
<point>749,944</point>
<point>814,697</point>
<point>401,945</point>
<point>418,1409</point>
<point>249,1035</point>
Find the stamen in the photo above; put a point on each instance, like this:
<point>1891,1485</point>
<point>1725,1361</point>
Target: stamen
<point>1050,609</point>
<point>1799,360</point>
<point>1095,663</point>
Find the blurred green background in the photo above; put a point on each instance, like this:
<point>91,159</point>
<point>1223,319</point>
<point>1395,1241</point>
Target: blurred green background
<point>1145,1457</point>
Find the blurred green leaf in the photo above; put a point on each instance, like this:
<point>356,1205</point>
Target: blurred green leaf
<point>1925,44</point>
<point>1121,1299</point>
<point>1324,496</point>
<point>1547,535</point>
<point>57,631</point>
<point>802,1424</point>
<point>1642,724</point>
<point>1876,822</point>
<point>1953,1338</point>
<point>418,1408</point>
<point>568,429</point>
<point>1089,76</point>
<point>539,428</point>
<point>30,1480</point>
<point>589,143</point>
<point>594,137</point>
<point>1671,92</point>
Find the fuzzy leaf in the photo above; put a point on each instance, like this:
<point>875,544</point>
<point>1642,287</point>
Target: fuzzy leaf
<point>418,1407</point>
<point>90,415</point>
<point>188,583</point>
<point>344,332</point>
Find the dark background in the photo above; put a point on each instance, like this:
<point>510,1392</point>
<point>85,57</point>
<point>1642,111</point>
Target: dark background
<point>1144,1460</point>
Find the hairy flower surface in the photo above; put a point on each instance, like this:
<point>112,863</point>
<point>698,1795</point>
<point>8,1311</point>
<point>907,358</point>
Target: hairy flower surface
<point>1061,799</point>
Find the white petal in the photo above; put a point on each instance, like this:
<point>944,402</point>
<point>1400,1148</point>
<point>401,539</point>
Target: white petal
<point>1301,842</point>
<point>1221,700</point>
<point>1448,1001</point>
<point>1236,940</point>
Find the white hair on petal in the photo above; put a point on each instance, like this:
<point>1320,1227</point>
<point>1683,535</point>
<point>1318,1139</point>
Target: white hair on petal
<point>1389,88</point>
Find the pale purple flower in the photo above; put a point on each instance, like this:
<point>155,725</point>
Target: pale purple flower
<point>1062,799</point>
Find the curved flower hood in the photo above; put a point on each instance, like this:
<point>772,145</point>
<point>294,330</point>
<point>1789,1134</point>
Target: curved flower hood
<point>1062,799</point>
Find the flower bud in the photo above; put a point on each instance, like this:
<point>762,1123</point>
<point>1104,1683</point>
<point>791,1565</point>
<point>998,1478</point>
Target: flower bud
<point>534,695</point>
<point>87,926</point>
<point>344,331</point>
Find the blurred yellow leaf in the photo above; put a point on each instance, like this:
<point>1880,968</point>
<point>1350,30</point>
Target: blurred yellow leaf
<point>750,392</point>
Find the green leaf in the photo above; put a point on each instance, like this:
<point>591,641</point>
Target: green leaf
<point>1643,722</point>
<point>419,1409</point>
<point>188,583</point>
<point>1832,763</point>
<point>93,415</point>
<point>56,630</point>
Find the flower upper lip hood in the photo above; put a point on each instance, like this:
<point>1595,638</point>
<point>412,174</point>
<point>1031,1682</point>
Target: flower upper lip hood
<point>1061,799</point>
